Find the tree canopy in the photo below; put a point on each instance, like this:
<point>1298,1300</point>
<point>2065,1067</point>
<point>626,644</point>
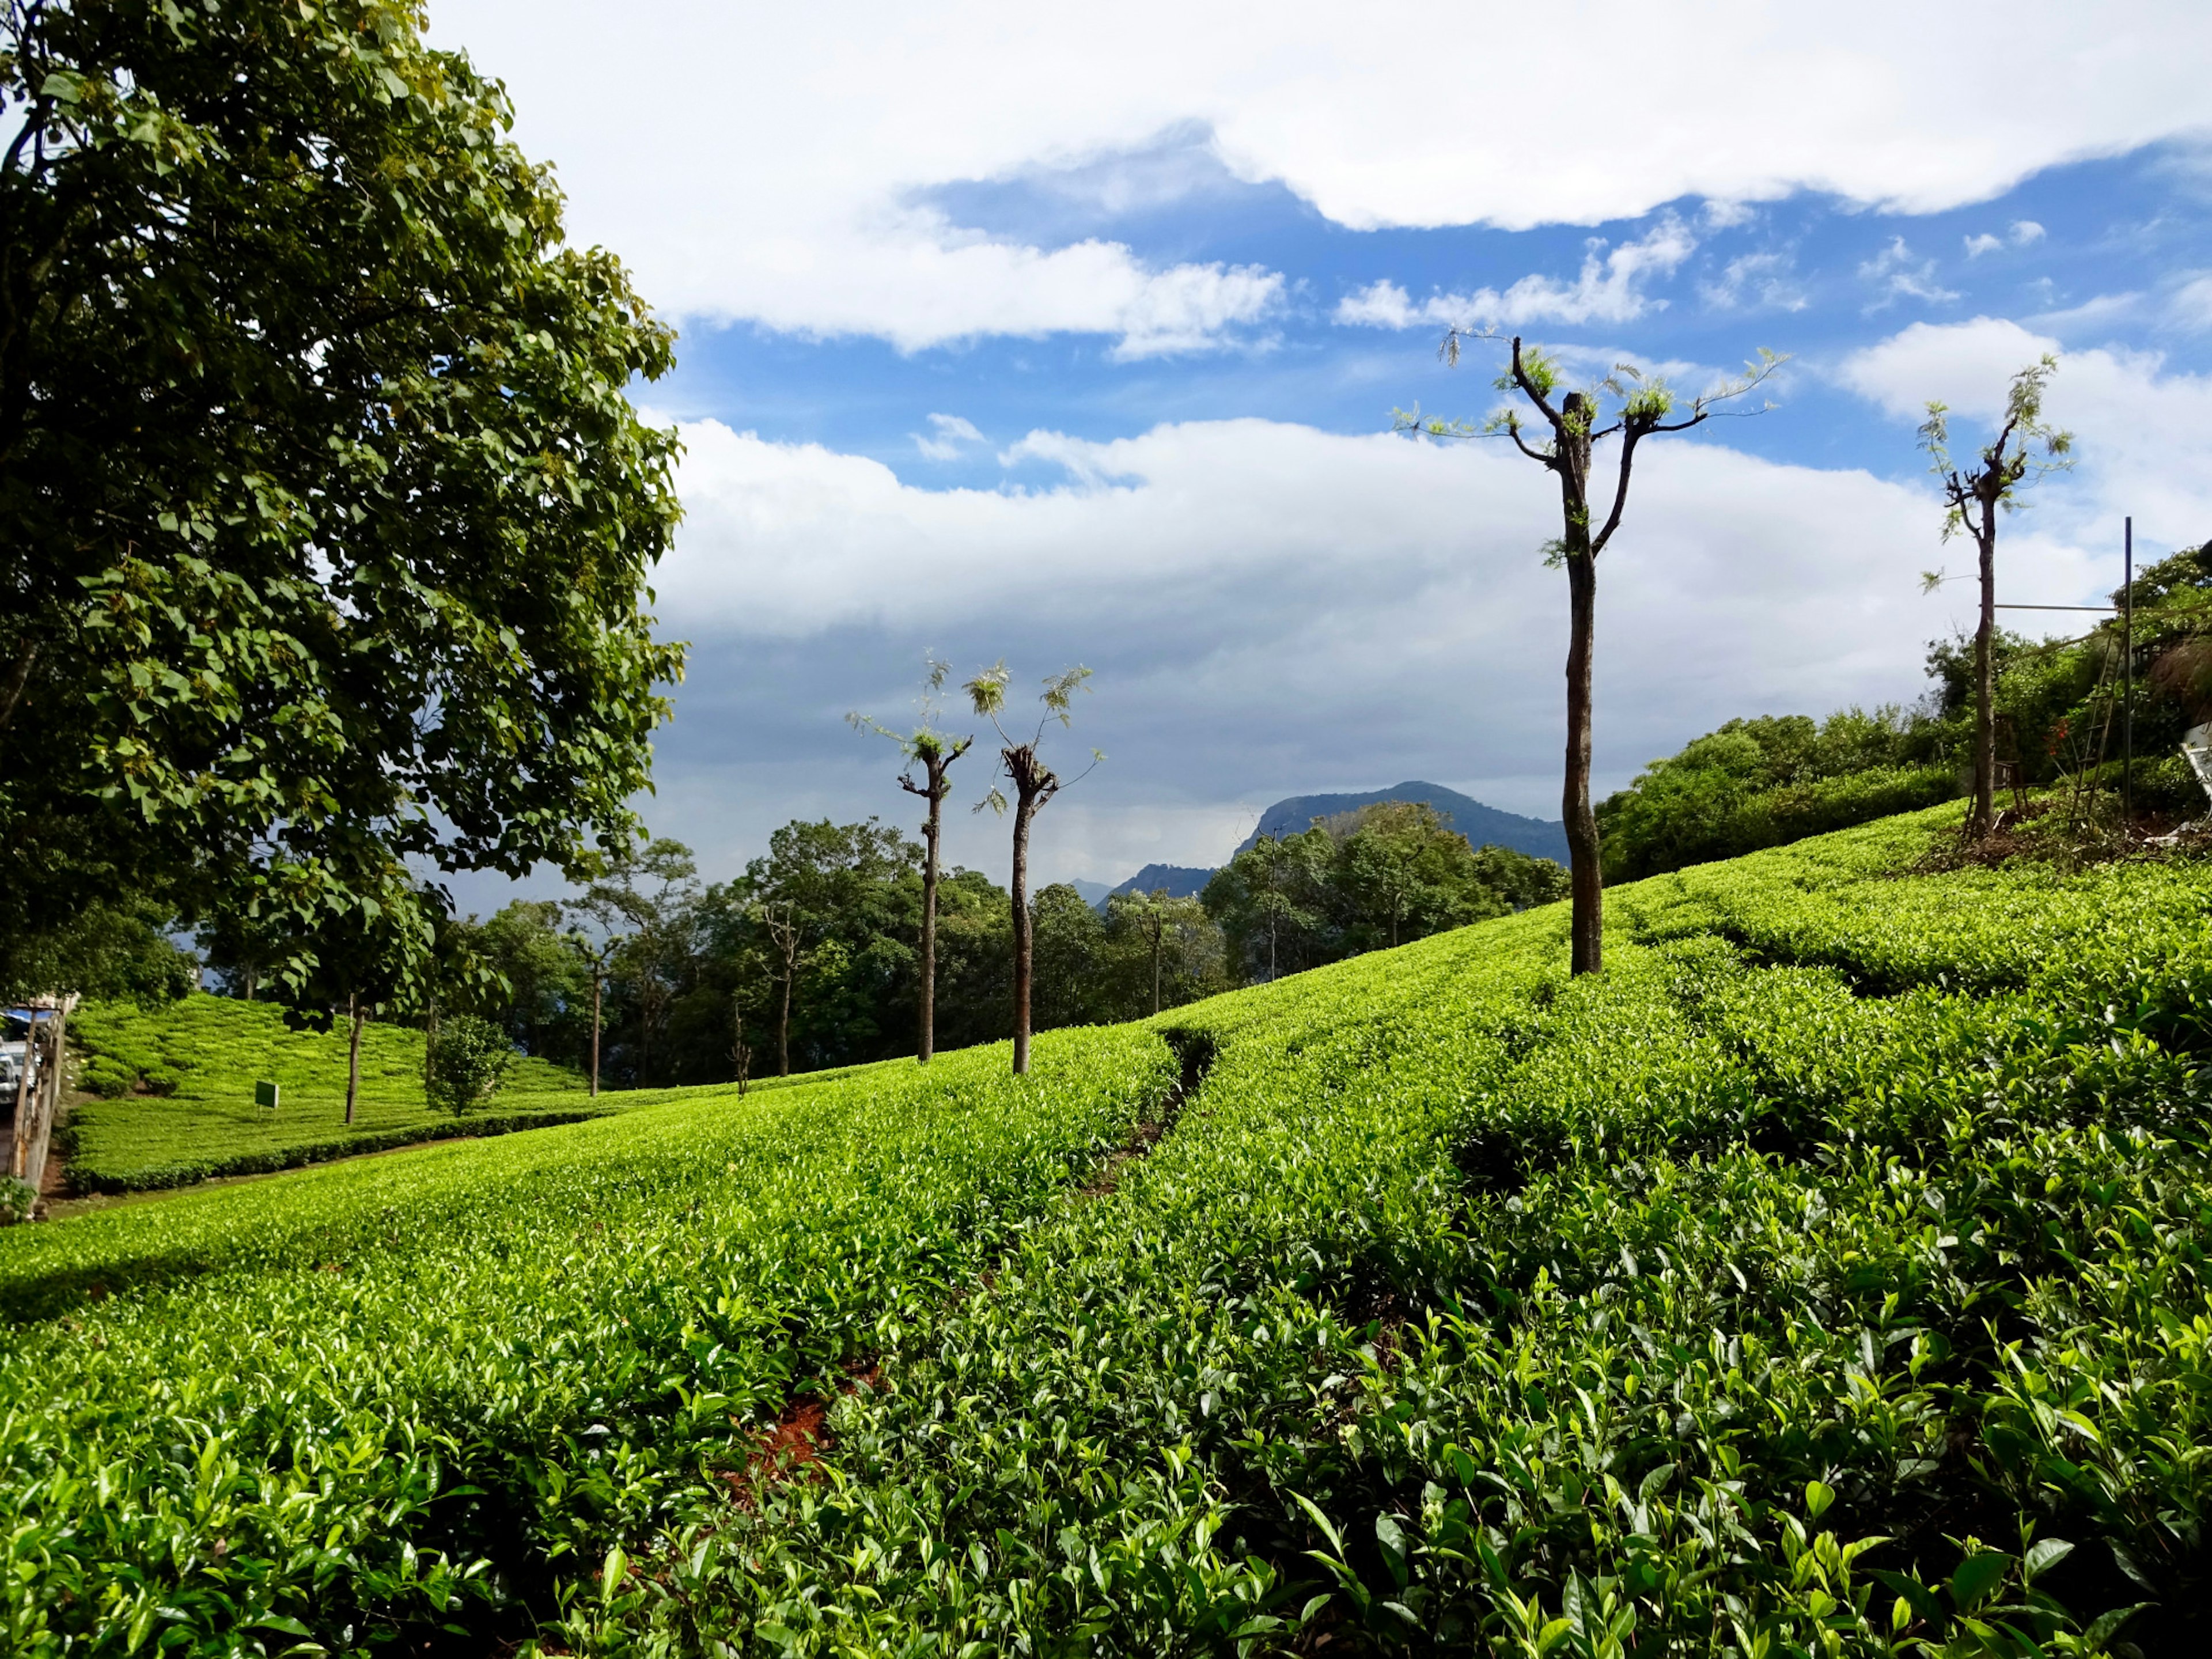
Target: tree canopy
<point>328,518</point>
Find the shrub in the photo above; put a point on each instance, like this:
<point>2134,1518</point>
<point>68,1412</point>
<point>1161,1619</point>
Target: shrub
<point>467,1060</point>
<point>110,1078</point>
<point>17,1200</point>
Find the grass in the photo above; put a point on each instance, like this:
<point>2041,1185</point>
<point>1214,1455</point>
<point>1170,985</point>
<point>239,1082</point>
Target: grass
<point>1828,1277</point>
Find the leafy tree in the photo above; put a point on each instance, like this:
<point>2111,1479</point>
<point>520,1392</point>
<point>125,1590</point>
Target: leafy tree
<point>1166,929</point>
<point>1035,785</point>
<point>933,751</point>
<point>1626,406</point>
<point>2026,448</point>
<point>833,905</point>
<point>545,979</point>
<point>1366,880</point>
<point>473,1056</point>
<point>1762,782</point>
<point>636,910</point>
<point>328,516</point>
<point>1269,901</point>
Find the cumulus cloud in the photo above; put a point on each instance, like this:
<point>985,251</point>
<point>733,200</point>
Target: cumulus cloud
<point>1272,608</point>
<point>1764,281</point>
<point>1896,275</point>
<point>948,437</point>
<point>2022,233</point>
<point>2135,424</point>
<point>760,172</point>
<point>1611,288</point>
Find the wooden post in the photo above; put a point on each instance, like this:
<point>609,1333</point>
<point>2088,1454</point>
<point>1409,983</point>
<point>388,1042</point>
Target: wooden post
<point>20,1147</point>
<point>56,1066</point>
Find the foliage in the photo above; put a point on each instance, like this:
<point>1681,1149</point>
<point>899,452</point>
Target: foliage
<point>1825,1278</point>
<point>178,1087</point>
<point>329,516</point>
<point>1767,782</point>
<point>118,949</point>
<point>468,1058</point>
<point>1762,783</point>
<point>18,1198</point>
<point>1364,880</point>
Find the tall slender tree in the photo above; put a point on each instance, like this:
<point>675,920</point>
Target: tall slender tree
<point>934,750</point>
<point>1628,405</point>
<point>1035,785</point>
<point>2025,449</point>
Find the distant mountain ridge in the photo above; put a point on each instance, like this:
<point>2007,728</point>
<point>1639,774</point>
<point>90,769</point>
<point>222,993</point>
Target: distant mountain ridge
<point>1180,881</point>
<point>1484,826</point>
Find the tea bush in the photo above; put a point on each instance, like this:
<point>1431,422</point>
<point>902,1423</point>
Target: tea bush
<point>1827,1278</point>
<point>176,1103</point>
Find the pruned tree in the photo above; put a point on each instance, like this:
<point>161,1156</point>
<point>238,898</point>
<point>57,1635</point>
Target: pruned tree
<point>2026,448</point>
<point>779,919</point>
<point>1631,406</point>
<point>1035,785</point>
<point>933,751</point>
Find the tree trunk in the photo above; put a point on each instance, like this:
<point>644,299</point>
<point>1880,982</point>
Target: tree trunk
<point>1156,965</point>
<point>353,1056</point>
<point>1586,878</point>
<point>1985,681</point>
<point>598,981</point>
<point>1025,808</point>
<point>783,1021</point>
<point>927,1035</point>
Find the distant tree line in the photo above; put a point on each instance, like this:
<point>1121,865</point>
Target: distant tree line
<point>2056,718</point>
<point>811,958</point>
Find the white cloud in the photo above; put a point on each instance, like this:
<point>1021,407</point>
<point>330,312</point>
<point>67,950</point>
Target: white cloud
<point>2019,234</point>
<point>1611,289</point>
<point>2192,306</point>
<point>949,433</point>
<point>761,154</point>
<point>2025,231</point>
<point>1760,280</point>
<point>1896,276</point>
<point>1984,243</point>
<point>1272,608</point>
<point>2135,426</point>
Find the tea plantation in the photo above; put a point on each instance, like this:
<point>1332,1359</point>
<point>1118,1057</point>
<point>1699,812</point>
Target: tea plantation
<point>181,1080</point>
<point>1828,1278</point>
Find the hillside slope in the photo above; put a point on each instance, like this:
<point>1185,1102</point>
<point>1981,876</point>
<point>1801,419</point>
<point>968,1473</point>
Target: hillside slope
<point>1828,1277</point>
<point>204,1054</point>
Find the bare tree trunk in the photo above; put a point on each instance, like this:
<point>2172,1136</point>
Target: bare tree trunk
<point>1025,808</point>
<point>1985,681</point>
<point>927,1035</point>
<point>1586,878</point>
<point>1156,964</point>
<point>598,982</point>
<point>353,1055</point>
<point>783,1021</point>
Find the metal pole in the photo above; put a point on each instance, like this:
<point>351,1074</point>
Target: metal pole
<point>2128,702</point>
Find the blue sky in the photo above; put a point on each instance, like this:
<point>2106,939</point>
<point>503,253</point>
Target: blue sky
<point>1078,340</point>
